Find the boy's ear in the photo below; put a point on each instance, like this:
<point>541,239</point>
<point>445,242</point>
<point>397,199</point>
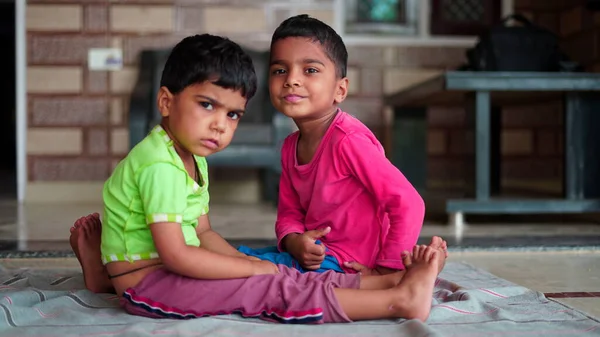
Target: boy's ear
<point>341,91</point>
<point>164,100</point>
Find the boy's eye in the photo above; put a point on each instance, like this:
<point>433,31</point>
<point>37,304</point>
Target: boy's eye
<point>206,105</point>
<point>312,70</point>
<point>234,115</point>
<point>278,72</point>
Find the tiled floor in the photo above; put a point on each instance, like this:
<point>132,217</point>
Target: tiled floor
<point>575,269</point>
<point>548,272</point>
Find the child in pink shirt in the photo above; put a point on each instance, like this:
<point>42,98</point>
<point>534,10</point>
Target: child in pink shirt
<point>337,185</point>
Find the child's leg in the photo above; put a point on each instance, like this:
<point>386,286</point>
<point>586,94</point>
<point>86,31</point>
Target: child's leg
<point>380,282</point>
<point>163,294</point>
<point>85,242</point>
<point>411,299</point>
<point>282,298</point>
<point>369,282</point>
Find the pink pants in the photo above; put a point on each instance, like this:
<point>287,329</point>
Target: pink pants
<point>288,297</point>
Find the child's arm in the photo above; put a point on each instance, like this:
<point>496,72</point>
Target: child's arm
<point>162,188</point>
<point>211,240</point>
<point>364,158</point>
<point>200,263</point>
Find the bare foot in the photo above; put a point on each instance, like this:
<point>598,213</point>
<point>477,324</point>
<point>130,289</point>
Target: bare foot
<point>415,292</point>
<point>437,242</point>
<point>85,241</point>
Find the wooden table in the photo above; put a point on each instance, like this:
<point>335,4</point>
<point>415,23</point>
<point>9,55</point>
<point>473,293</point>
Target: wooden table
<point>485,93</point>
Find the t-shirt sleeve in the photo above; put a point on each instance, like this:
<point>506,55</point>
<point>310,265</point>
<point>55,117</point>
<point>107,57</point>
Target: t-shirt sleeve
<point>162,189</point>
<point>365,159</point>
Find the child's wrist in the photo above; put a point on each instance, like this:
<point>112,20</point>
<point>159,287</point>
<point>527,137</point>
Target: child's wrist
<point>288,241</point>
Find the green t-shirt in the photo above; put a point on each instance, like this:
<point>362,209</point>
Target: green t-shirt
<point>150,185</point>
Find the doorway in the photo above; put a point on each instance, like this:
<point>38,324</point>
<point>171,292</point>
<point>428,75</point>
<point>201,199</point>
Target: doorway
<point>8,164</point>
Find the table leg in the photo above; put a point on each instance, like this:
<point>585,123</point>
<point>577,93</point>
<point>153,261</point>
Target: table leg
<point>482,145</point>
<point>582,145</point>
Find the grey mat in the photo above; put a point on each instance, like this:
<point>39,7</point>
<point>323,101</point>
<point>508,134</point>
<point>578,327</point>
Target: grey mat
<point>467,302</point>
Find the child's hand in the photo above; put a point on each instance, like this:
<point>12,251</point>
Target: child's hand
<point>264,267</point>
<point>305,250</point>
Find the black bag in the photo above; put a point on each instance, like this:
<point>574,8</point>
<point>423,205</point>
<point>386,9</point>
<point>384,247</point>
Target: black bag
<point>516,48</point>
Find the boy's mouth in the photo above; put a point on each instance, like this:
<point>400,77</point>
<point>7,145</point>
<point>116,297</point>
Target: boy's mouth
<point>293,98</point>
<point>210,143</point>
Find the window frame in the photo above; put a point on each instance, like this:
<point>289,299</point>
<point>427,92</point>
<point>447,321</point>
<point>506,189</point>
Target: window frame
<point>423,36</point>
<point>410,28</point>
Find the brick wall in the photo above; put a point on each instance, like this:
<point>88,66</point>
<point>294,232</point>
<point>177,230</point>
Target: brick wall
<point>78,118</point>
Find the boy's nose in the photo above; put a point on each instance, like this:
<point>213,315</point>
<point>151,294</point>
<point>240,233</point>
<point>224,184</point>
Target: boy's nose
<point>292,80</point>
<point>292,83</point>
<point>220,122</point>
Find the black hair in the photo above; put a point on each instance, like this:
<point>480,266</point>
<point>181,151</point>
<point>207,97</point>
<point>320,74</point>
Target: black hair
<point>206,57</point>
<point>305,26</point>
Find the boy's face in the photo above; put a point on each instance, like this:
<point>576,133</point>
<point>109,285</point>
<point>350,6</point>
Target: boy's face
<point>303,81</point>
<point>203,117</point>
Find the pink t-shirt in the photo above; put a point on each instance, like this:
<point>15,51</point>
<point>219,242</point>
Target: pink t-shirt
<point>349,185</point>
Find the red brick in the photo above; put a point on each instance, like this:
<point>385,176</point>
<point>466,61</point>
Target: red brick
<point>440,168</point>
<point>588,20</point>
<point>546,5</point>
<point>560,142</point>
<point>113,164</point>
<point>97,82</point>
<point>154,2</point>
<point>462,142</point>
<point>532,168</point>
<point>590,68</point>
<point>367,110</point>
<point>582,47</point>
<point>547,142</point>
<point>45,2</point>
<point>189,19</point>
<point>134,45</point>
<point>69,111</point>
<point>547,114</point>
<point>62,49</point>
<point>529,15</point>
<point>570,21</point>
<point>436,142</point>
<point>97,141</point>
<point>365,56</point>
<point>96,18</point>
<point>212,2</point>
<point>550,21</point>
<point>431,57</point>
<point>371,82</point>
<point>445,116</point>
<point>516,142</point>
<point>70,169</point>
